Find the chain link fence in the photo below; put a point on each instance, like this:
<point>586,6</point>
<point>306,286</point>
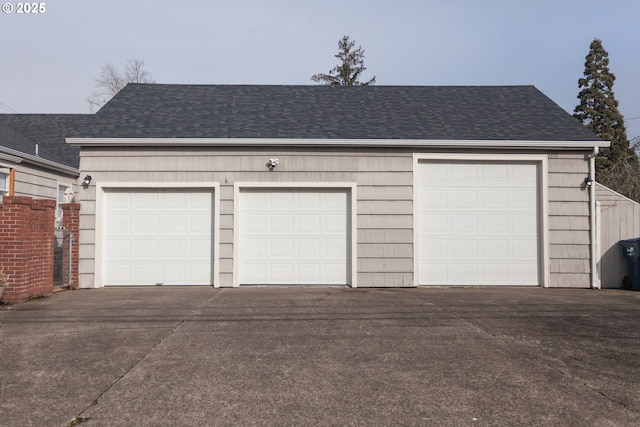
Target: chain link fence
<point>62,258</point>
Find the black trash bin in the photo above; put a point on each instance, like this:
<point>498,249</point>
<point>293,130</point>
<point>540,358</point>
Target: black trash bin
<point>631,252</point>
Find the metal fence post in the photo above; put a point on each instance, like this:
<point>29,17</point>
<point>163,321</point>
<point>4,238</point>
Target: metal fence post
<point>70,255</point>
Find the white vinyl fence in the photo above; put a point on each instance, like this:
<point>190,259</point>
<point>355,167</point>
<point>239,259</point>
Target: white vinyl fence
<point>618,218</point>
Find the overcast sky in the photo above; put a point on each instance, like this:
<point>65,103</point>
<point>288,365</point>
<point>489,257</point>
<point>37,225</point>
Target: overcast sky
<point>50,61</point>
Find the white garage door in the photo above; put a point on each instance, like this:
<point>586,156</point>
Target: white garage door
<point>293,237</point>
<point>478,223</point>
<point>153,236</point>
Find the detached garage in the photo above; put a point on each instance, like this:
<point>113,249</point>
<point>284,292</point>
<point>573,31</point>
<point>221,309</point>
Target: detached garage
<point>362,186</point>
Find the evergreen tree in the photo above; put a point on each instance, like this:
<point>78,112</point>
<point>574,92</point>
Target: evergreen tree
<point>348,71</point>
<point>617,167</point>
<point>598,110</point>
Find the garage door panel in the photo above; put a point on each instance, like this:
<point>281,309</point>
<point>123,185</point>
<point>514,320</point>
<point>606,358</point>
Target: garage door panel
<point>523,199</point>
<point>287,236</point>
<point>463,248</point>
<point>308,201</point>
<point>463,224</point>
<point>308,273</point>
<point>498,248</point>
<point>433,199</point>
<point>524,248</point>
<point>434,223</point>
<point>254,272</point>
<point>122,223</point>
<point>253,222</point>
<point>494,224</point>
<point>522,274</point>
<point>256,247</point>
<point>309,248</point>
<point>281,200</point>
<point>174,273</point>
<point>146,224</point>
<point>174,201</point>
<point>433,248</point>
<point>493,199</point>
<point>160,235</point>
<point>281,248</point>
<point>524,174</point>
<point>147,201</point>
<point>493,173</point>
<point>281,273</point>
<point>479,218</point>
<point>119,273</point>
<point>333,273</point>
<point>118,248</point>
<point>145,273</point>
<point>199,223</point>
<point>144,248</point>
<point>173,249</point>
<point>335,249</point>
<point>336,200</point>
<point>176,224</point>
<point>308,223</point>
<point>463,273</point>
<point>461,199</point>
<point>463,173</point>
<point>199,273</point>
<point>120,201</point>
<point>200,248</point>
<point>524,224</point>
<point>281,223</point>
<point>495,274</point>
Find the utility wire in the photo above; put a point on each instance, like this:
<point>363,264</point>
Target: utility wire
<point>7,108</point>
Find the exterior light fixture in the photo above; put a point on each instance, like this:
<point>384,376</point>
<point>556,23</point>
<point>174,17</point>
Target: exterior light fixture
<point>588,181</point>
<point>272,163</point>
<point>86,181</point>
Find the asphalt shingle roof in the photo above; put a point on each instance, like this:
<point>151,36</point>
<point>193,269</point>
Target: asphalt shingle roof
<point>49,132</point>
<point>14,140</point>
<point>345,112</point>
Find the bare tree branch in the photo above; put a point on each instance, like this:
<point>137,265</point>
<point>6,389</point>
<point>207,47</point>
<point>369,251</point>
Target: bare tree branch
<point>111,81</point>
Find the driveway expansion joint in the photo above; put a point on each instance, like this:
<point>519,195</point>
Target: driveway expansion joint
<point>80,418</point>
<point>545,364</point>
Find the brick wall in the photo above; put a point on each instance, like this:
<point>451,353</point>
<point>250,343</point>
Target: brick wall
<point>71,222</point>
<point>26,246</point>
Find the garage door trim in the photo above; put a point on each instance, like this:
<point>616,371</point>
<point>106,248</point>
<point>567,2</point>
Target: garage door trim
<point>352,216</point>
<point>101,187</point>
<point>540,159</point>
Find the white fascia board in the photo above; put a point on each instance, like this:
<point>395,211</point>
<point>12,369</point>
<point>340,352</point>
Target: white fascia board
<point>9,157</point>
<point>401,143</point>
<point>19,157</point>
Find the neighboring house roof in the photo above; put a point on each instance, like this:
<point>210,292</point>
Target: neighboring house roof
<point>14,140</point>
<point>16,147</point>
<point>49,132</point>
<point>506,113</point>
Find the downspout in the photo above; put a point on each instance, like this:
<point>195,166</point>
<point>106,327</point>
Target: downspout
<point>12,182</point>
<point>592,218</point>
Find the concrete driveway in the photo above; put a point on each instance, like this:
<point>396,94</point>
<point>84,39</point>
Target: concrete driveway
<point>322,356</point>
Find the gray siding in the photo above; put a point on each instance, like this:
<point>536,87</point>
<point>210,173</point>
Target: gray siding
<point>568,221</point>
<point>384,190</point>
<point>37,183</point>
<point>384,179</point>
<point>619,219</point>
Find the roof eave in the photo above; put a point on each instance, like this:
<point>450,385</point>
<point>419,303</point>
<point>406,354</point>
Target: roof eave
<point>16,156</point>
<point>402,143</point>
